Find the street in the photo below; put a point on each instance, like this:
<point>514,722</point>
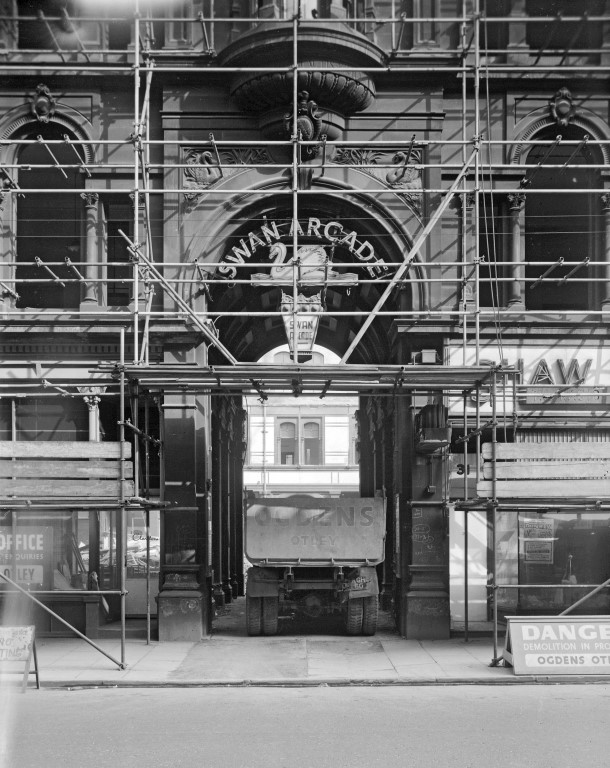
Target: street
<point>466,726</point>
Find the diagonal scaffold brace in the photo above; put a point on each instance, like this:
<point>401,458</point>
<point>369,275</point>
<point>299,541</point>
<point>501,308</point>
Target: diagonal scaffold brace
<point>410,257</point>
<point>137,254</point>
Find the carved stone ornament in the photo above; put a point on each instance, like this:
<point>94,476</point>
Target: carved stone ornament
<point>43,104</point>
<point>562,108</point>
<point>203,170</point>
<point>406,178</point>
<point>516,201</point>
<point>309,124</point>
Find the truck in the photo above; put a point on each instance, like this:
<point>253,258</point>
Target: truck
<point>313,557</point>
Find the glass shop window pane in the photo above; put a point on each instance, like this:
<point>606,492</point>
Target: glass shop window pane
<point>312,443</point>
<point>288,443</point>
<point>45,550</point>
<point>563,550</point>
<point>57,419</point>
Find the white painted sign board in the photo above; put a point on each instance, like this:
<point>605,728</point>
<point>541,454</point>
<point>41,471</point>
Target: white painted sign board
<point>558,645</point>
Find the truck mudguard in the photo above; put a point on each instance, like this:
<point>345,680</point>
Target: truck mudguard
<point>262,582</point>
<point>364,584</point>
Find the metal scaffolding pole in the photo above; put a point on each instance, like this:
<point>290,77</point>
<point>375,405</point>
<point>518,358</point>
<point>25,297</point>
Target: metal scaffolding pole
<point>412,254</point>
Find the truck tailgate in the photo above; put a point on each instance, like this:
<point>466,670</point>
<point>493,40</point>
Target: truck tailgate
<point>309,530</point>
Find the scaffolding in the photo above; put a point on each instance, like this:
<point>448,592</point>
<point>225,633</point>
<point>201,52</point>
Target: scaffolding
<point>475,48</point>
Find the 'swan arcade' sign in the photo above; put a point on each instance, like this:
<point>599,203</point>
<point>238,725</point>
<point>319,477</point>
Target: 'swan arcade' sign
<point>558,645</point>
<point>331,232</point>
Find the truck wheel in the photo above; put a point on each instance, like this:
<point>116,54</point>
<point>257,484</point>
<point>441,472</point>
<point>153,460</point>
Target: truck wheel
<point>370,611</point>
<point>254,615</point>
<point>270,615</point>
<point>354,616</point>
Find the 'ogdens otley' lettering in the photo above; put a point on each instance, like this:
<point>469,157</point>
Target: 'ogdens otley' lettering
<point>338,516</point>
<point>332,231</point>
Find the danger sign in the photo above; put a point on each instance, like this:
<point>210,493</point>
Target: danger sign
<point>558,645</point>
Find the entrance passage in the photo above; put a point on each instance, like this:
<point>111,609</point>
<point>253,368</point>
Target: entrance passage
<point>313,547</point>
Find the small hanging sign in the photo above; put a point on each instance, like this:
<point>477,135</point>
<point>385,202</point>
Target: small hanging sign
<point>301,329</point>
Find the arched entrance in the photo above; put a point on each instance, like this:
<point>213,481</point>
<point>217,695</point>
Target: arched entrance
<point>259,263</point>
<point>342,253</point>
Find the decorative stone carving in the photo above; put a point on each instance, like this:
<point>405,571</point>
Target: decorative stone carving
<point>516,201</point>
<point>309,124</point>
<point>334,63</point>
<point>180,581</point>
<point>405,178</point>
<point>203,170</point>
<point>43,104</point>
<point>561,106</point>
<point>91,199</point>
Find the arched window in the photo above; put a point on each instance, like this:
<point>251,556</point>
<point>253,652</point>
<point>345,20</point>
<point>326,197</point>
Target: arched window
<point>48,223</point>
<point>312,445</point>
<point>288,443</point>
<point>560,224</point>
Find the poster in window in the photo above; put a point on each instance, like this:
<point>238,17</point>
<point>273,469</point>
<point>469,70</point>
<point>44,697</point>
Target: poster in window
<point>538,539</point>
<point>26,555</point>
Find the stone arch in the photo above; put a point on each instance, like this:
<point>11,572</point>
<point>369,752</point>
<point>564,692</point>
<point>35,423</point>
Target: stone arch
<point>369,208</point>
<point>541,119</point>
<point>16,121</point>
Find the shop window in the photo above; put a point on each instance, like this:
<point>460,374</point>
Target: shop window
<point>118,216</point>
<point>554,34</point>
<point>312,444</point>
<point>559,225</point>
<point>288,443</point>
<point>48,224</point>
<point>48,419</point>
<point>563,550</point>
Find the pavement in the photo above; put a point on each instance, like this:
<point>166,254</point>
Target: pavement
<point>306,654</point>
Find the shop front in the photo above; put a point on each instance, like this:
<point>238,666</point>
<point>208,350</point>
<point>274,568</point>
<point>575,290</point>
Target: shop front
<point>532,498</point>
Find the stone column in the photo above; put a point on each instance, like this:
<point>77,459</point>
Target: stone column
<point>8,294</point>
<point>93,406</point>
<point>516,202</point>
<point>365,449</point>
<point>605,199</point>
<point>464,208</point>
<point>182,607</point>
<point>427,599</point>
<point>90,293</point>
<point>517,43</point>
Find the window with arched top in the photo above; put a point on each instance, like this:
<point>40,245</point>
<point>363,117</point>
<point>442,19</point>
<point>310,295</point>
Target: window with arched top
<point>288,442</point>
<point>49,219</point>
<point>312,443</point>
<point>562,223</point>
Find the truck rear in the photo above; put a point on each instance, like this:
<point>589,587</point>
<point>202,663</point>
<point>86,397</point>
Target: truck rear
<point>314,557</point>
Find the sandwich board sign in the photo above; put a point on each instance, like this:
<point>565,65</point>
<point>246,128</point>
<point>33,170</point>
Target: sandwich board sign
<point>17,645</point>
<point>558,645</point>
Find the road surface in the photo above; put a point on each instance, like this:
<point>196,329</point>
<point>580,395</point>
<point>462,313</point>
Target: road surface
<point>467,726</point>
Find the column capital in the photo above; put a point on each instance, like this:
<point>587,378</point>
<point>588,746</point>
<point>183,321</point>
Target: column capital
<point>516,201</point>
<point>91,199</point>
<point>605,201</point>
